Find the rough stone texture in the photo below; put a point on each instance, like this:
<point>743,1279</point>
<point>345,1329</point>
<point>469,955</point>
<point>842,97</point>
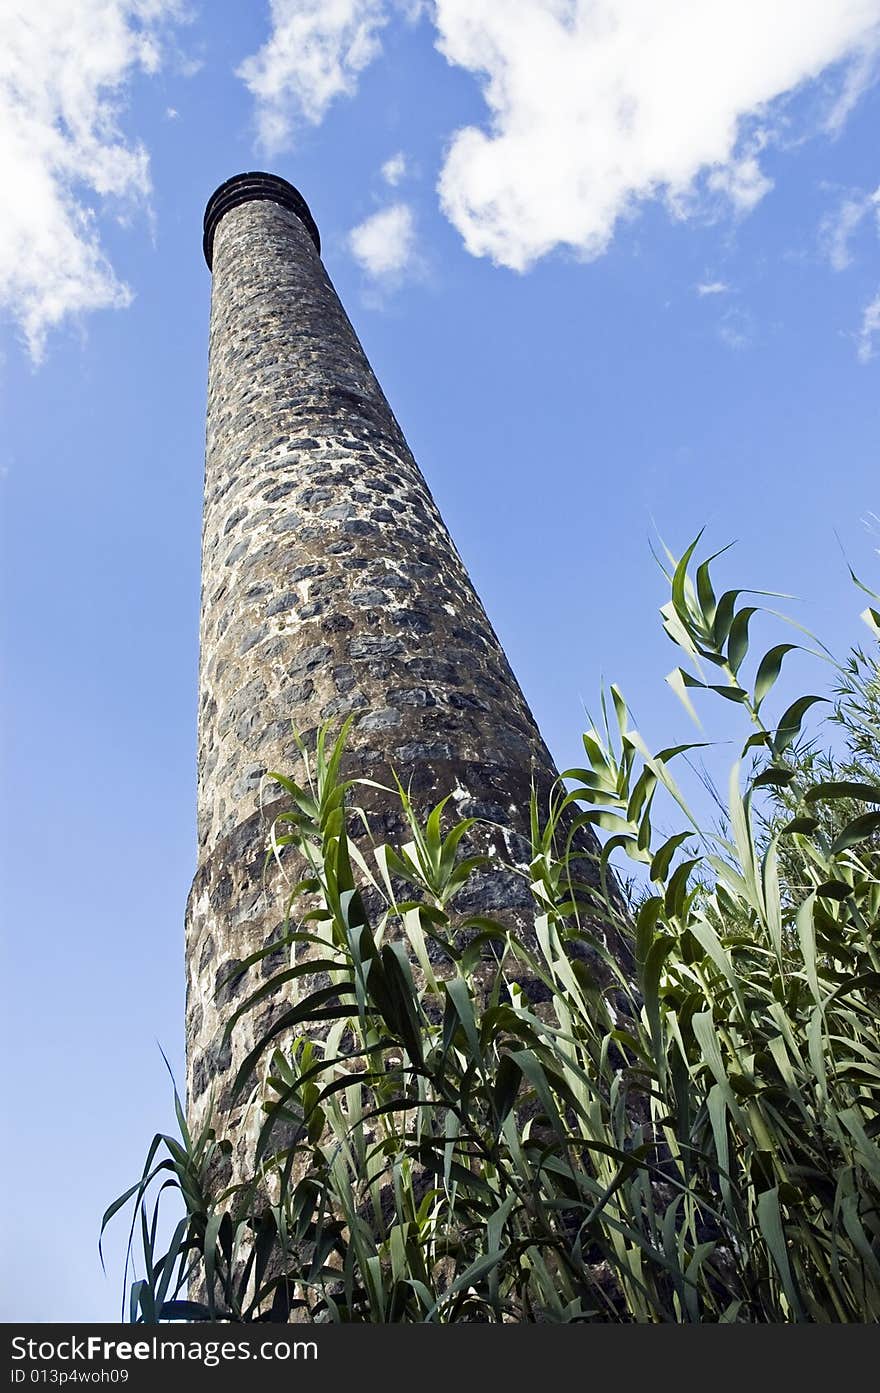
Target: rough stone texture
<point>330,585</point>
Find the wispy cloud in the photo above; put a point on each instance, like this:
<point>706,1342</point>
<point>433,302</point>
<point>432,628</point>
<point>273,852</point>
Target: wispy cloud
<point>315,51</point>
<point>740,179</point>
<point>736,329</point>
<point>384,245</point>
<point>838,228</point>
<point>837,231</point>
<point>869,331</point>
<point>713,288</point>
<point>63,72</point>
<point>395,169</point>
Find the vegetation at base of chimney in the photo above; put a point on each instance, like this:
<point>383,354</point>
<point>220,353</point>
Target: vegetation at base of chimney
<point>694,1142</point>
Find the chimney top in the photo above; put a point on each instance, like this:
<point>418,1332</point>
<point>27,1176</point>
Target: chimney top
<point>244,188</point>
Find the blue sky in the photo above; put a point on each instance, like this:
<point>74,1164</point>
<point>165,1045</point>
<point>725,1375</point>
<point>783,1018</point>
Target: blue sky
<point>616,266</point>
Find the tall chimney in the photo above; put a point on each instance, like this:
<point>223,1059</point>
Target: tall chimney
<point>330,586</point>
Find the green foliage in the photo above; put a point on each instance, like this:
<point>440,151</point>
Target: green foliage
<point>694,1140</point>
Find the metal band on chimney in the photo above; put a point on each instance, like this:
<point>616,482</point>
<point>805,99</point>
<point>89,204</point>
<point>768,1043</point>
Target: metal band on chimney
<point>245,188</point>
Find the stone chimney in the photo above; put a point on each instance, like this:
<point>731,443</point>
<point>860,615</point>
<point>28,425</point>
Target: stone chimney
<point>330,586</point>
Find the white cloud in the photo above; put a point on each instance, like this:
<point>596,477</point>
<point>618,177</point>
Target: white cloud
<point>736,329</point>
<point>859,74</point>
<point>395,169</point>
<point>63,70</point>
<point>870,329</point>
<point>384,244</point>
<point>314,53</point>
<point>741,180</point>
<point>596,105</point>
<point>838,228</point>
<point>713,288</point>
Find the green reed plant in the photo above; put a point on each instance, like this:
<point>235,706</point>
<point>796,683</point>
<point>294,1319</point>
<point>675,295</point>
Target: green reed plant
<point>685,1131</point>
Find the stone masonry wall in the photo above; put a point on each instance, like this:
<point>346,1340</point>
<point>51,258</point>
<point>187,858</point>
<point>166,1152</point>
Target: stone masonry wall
<point>330,585</point>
